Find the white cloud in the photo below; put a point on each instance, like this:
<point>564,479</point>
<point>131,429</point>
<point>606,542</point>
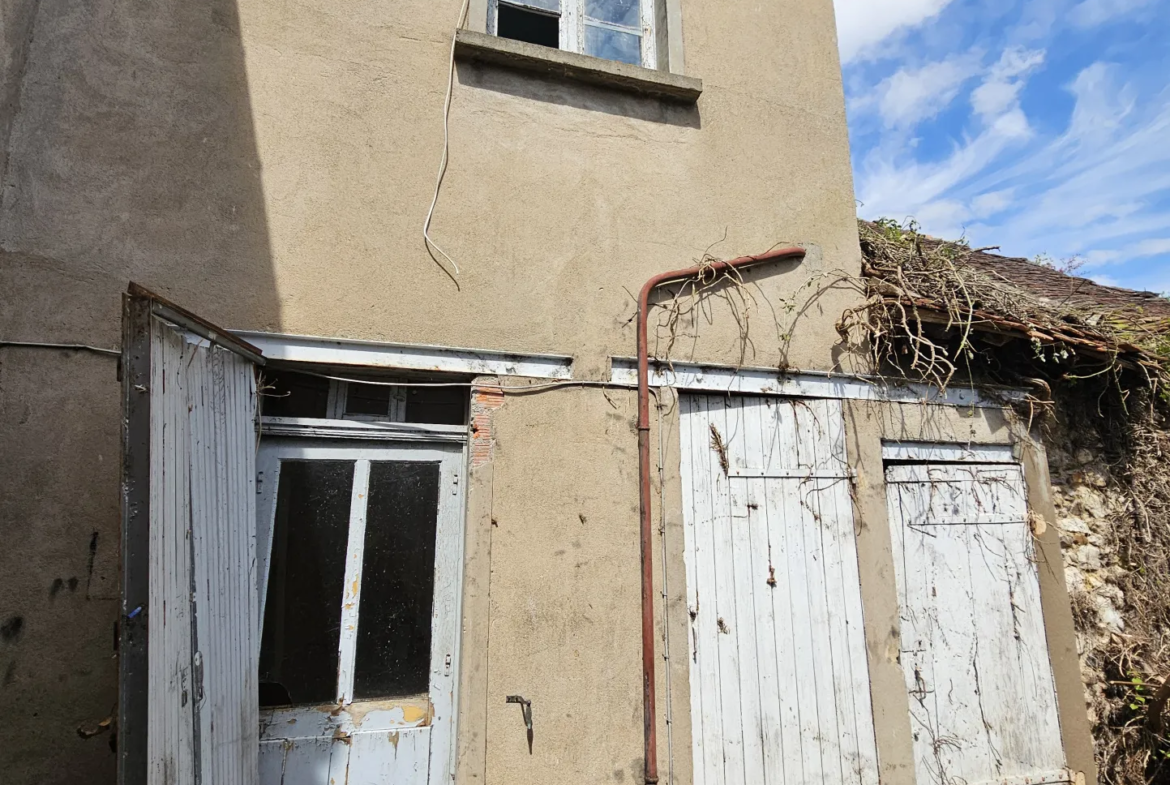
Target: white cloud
<point>911,96</point>
<point>1101,105</point>
<point>991,203</point>
<point>1100,189</point>
<point>863,24</point>
<point>1155,246</point>
<point>1021,170</point>
<point>1104,280</point>
<point>1001,90</point>
<point>891,187</point>
<point>1092,13</point>
<point>1143,249</point>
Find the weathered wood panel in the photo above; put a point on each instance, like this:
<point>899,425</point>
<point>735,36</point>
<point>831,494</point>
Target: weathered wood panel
<point>779,676</point>
<point>974,651</point>
<point>203,713</point>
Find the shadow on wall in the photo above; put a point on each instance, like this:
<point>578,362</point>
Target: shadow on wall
<point>129,155</point>
<point>577,95</point>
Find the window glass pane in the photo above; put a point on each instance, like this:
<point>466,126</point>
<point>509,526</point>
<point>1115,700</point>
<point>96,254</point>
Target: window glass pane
<point>302,613</point>
<point>437,405</point>
<point>616,12</point>
<point>613,45</point>
<point>288,394</point>
<point>398,581</point>
<point>367,399</point>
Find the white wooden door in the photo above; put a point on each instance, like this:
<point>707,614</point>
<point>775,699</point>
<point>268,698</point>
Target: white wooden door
<point>187,633</point>
<point>361,549</point>
<point>974,651</point>
<point>779,677</point>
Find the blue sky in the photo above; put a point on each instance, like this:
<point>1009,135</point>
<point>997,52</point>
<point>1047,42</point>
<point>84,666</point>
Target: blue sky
<point>1040,126</point>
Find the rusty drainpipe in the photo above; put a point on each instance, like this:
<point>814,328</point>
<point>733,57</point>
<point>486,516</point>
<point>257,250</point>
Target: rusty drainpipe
<point>651,733</point>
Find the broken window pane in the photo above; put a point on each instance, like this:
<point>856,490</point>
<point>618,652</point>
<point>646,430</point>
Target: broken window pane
<point>437,405</point>
<point>522,24</point>
<point>617,12</point>
<point>398,580</point>
<point>613,44</point>
<point>288,394</point>
<point>302,613</point>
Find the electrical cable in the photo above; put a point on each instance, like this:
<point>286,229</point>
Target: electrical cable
<point>81,347</point>
<point>431,244</point>
<point>515,388</point>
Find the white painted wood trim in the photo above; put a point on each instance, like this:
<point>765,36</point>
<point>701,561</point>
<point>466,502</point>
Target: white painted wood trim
<point>952,473</point>
<point>649,38</point>
<point>493,14</point>
<point>373,354</point>
<point>767,381</point>
<point>351,595</point>
<point>360,429</point>
<point>572,26</point>
<point>934,452</point>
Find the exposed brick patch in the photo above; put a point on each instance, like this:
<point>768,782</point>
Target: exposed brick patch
<point>484,402</point>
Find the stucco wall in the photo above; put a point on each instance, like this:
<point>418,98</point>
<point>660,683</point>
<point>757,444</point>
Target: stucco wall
<point>269,165</point>
<point>132,157</point>
<point>559,198</point>
<point>16,27</point>
<point>552,591</point>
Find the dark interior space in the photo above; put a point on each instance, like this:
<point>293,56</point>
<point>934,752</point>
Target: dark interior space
<point>523,24</point>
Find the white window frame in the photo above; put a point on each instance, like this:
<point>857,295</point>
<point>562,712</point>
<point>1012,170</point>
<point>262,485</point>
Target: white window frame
<point>572,26</point>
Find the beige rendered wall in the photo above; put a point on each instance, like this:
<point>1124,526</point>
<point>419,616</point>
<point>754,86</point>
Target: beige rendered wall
<point>269,165</point>
<point>560,199</point>
<point>552,588</point>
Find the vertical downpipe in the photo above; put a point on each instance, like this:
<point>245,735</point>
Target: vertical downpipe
<point>650,748</point>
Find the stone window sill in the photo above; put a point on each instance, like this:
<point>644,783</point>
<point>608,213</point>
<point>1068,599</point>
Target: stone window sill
<point>480,47</point>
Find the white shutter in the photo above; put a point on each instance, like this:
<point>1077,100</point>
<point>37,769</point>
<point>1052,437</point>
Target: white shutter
<point>188,708</point>
<point>779,677</point>
<point>974,651</point>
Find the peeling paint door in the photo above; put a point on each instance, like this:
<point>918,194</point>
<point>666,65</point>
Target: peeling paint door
<point>779,677</point>
<point>974,651</point>
<point>187,630</point>
<point>361,554</point>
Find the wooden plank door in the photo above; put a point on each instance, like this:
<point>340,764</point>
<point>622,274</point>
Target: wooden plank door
<point>187,633</point>
<point>779,677</point>
<point>974,650</point>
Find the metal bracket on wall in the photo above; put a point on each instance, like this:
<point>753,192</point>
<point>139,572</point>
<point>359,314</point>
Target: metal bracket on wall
<point>526,711</point>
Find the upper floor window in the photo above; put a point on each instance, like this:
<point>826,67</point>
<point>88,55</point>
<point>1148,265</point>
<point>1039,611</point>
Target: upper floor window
<point>621,30</point>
